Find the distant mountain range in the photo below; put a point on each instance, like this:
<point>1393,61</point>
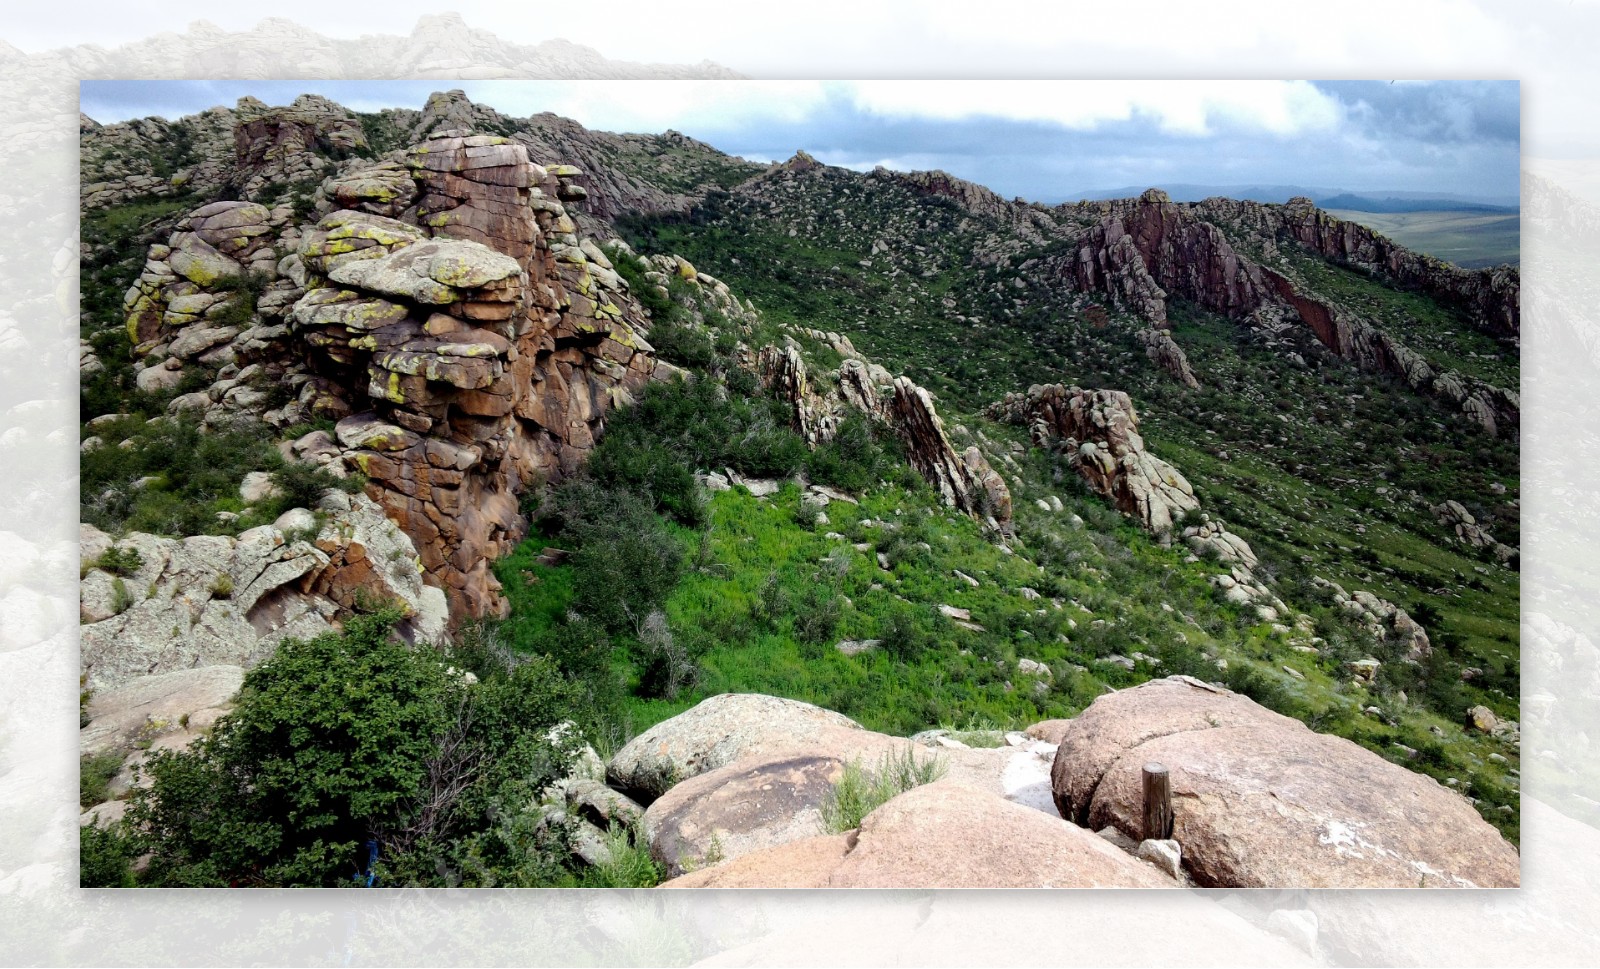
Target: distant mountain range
<point>1327,198</point>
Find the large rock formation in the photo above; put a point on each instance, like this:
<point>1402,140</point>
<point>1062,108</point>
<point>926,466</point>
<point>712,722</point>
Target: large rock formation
<point>445,312</point>
<point>1100,433</point>
<point>277,145</point>
<point>1259,800</point>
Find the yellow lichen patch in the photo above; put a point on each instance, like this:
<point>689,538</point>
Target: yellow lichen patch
<point>686,270</point>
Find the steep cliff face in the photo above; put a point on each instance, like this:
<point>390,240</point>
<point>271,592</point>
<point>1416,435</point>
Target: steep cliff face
<point>1143,251</point>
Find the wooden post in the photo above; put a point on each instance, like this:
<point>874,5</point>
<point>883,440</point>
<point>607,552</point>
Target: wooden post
<point>1157,802</point>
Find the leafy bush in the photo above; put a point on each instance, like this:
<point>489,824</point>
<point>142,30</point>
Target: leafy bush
<point>344,737</point>
<point>626,562</point>
<point>906,634</point>
<point>105,856</point>
<point>95,772</point>
<point>682,344</point>
<point>855,459</point>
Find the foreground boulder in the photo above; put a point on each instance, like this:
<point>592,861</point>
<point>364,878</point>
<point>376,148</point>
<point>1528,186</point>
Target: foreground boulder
<point>749,805</point>
<point>1260,800</point>
<point>941,835</point>
<point>715,733</point>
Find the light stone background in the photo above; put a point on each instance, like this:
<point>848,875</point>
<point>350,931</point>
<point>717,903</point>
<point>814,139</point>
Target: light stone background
<point>44,919</point>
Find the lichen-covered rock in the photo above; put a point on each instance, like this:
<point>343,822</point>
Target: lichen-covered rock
<point>215,600</point>
<point>1259,800</point>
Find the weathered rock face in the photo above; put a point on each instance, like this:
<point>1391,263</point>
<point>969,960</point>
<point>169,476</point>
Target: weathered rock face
<point>279,144</point>
<point>189,278</point>
<point>1211,537</point>
<point>1259,800</point>
<point>941,835</point>
<point>186,701</point>
<point>964,481</point>
<point>754,803</point>
<point>214,600</point>
<point>1100,433</point>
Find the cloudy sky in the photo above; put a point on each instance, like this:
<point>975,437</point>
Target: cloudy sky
<point>1042,140</point>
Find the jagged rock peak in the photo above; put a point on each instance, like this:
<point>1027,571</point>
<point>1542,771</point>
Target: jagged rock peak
<point>802,162</point>
<point>1155,196</point>
<point>1100,433</point>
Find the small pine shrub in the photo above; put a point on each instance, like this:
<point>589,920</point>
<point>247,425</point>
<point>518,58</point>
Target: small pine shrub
<point>859,792</point>
<point>120,561</point>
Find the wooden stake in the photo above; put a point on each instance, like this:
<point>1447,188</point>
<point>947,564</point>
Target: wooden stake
<point>1157,802</point>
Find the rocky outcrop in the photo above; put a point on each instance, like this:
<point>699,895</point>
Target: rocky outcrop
<point>215,600</point>
<point>1165,353</point>
<point>277,145</point>
<point>1211,538</point>
<point>1454,516</point>
<point>193,276</point>
<point>1491,297</point>
<point>1384,620</point>
<point>1099,432</point>
<point>940,835</point>
<point>151,158</point>
<point>444,310</point>
<point>964,480</point>
<point>1261,801</point>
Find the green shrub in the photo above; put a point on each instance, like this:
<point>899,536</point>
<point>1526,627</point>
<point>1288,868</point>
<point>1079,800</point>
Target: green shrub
<point>343,737</point>
<point>120,561</point>
<point>907,633</point>
<point>95,772</point>
<point>105,856</point>
<point>626,563</point>
<point>859,791</point>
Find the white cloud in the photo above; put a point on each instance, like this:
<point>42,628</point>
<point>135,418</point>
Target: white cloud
<point>653,106</point>
<point>1178,107</point>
